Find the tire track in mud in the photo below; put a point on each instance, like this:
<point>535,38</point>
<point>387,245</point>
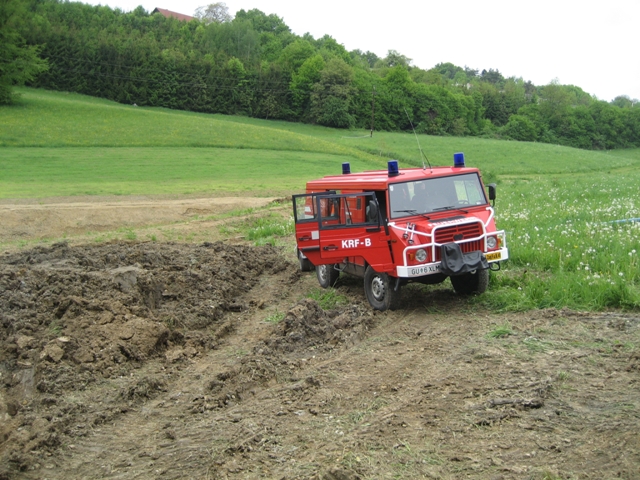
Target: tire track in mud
<point>182,430</point>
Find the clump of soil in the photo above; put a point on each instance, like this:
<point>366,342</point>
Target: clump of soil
<point>307,325</point>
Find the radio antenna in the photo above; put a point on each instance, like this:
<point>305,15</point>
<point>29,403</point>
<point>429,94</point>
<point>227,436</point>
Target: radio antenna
<point>419,147</point>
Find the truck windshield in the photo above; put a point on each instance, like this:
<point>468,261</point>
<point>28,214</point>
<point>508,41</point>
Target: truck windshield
<point>436,195</point>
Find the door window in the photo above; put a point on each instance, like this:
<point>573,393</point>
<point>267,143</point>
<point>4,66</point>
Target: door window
<point>348,210</point>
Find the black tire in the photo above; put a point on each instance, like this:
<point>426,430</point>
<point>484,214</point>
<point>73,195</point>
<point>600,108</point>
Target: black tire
<point>305,263</point>
<point>379,289</point>
<point>327,275</point>
<point>471,283</point>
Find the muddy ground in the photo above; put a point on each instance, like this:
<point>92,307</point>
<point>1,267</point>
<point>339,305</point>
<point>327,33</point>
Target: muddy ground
<point>207,359</point>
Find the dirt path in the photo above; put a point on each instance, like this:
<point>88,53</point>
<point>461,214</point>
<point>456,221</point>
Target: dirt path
<point>207,360</point>
<point>55,218</point>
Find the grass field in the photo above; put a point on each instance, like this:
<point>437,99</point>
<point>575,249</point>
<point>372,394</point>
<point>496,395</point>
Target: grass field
<point>569,213</point>
<point>44,172</point>
<point>66,144</point>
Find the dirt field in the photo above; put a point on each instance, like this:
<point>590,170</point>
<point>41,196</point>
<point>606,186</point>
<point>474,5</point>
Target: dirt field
<point>78,216</point>
<point>153,359</point>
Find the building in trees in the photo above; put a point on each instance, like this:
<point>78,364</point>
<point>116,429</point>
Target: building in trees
<point>169,14</point>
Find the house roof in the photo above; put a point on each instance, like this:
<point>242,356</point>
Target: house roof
<point>168,13</point>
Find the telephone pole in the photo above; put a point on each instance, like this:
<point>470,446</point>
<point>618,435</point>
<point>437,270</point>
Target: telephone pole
<point>373,108</point>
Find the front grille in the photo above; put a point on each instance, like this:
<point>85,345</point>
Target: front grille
<point>459,234</point>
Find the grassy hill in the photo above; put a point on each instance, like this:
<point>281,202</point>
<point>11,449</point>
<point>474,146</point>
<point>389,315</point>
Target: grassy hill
<point>66,144</point>
<point>56,143</point>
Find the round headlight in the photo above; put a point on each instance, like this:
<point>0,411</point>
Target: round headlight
<point>421,255</point>
<point>491,242</point>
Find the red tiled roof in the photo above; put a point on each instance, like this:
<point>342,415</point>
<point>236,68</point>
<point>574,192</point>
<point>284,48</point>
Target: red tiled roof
<point>168,13</point>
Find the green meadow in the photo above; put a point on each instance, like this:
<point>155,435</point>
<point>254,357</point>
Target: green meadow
<point>45,172</point>
<point>570,215</point>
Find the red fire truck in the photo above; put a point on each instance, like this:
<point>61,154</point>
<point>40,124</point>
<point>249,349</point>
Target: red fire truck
<point>396,226</point>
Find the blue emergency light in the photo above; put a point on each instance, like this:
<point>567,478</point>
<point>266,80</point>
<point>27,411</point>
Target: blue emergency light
<point>393,168</point>
<point>346,168</point>
<point>458,160</point>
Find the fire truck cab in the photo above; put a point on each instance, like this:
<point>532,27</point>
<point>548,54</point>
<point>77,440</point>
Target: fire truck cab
<point>396,226</point>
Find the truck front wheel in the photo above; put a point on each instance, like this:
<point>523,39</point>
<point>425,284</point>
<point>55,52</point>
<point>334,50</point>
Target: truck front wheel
<point>379,289</point>
<point>327,275</point>
<point>469,283</point>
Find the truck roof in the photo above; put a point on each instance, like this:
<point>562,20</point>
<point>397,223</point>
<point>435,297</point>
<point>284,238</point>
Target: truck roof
<point>380,179</point>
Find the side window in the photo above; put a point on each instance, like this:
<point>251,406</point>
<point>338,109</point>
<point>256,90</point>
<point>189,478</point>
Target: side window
<point>381,198</point>
<point>341,211</point>
<point>330,208</point>
<point>304,208</point>
<point>310,206</point>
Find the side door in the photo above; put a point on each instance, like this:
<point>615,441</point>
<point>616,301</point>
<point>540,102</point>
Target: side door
<point>306,213</point>
<point>356,232</point>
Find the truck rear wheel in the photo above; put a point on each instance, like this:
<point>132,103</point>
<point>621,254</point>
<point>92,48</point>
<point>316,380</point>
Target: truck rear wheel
<point>378,287</point>
<point>470,283</point>
<point>327,275</point>
<point>305,263</point>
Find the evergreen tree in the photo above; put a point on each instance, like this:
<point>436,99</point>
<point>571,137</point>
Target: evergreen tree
<point>19,62</point>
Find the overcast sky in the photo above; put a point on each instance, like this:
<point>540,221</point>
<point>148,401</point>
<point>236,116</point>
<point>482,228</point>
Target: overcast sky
<point>593,45</point>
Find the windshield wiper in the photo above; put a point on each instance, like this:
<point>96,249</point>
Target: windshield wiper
<point>442,208</point>
<point>411,210</point>
<point>450,207</point>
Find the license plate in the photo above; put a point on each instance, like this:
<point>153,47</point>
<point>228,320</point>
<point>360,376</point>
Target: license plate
<point>493,256</point>
<point>425,270</point>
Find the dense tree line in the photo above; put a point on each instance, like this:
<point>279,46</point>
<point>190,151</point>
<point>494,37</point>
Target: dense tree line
<point>254,65</point>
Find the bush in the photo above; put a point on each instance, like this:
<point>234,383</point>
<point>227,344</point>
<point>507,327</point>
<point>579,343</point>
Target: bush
<point>520,128</point>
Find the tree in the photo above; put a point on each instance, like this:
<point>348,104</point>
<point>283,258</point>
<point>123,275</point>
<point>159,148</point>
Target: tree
<point>555,100</point>
<point>470,72</point>
<point>394,59</point>
<point>448,70</point>
<point>328,47</point>
<point>429,77</point>
<point>494,105</point>
<point>331,97</point>
<point>271,102</point>
<point>492,76</point>
<point>393,99</point>
<point>264,23</point>
<point>623,101</point>
<point>520,128</point>
<point>369,58</point>
<point>302,83</point>
<point>19,63</point>
<point>238,95</point>
<point>295,54</point>
<point>514,95</point>
<point>213,13</point>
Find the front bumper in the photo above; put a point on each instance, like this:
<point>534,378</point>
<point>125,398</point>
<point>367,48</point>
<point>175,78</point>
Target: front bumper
<point>433,268</point>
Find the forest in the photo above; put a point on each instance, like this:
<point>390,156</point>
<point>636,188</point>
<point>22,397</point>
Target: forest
<point>253,65</point>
